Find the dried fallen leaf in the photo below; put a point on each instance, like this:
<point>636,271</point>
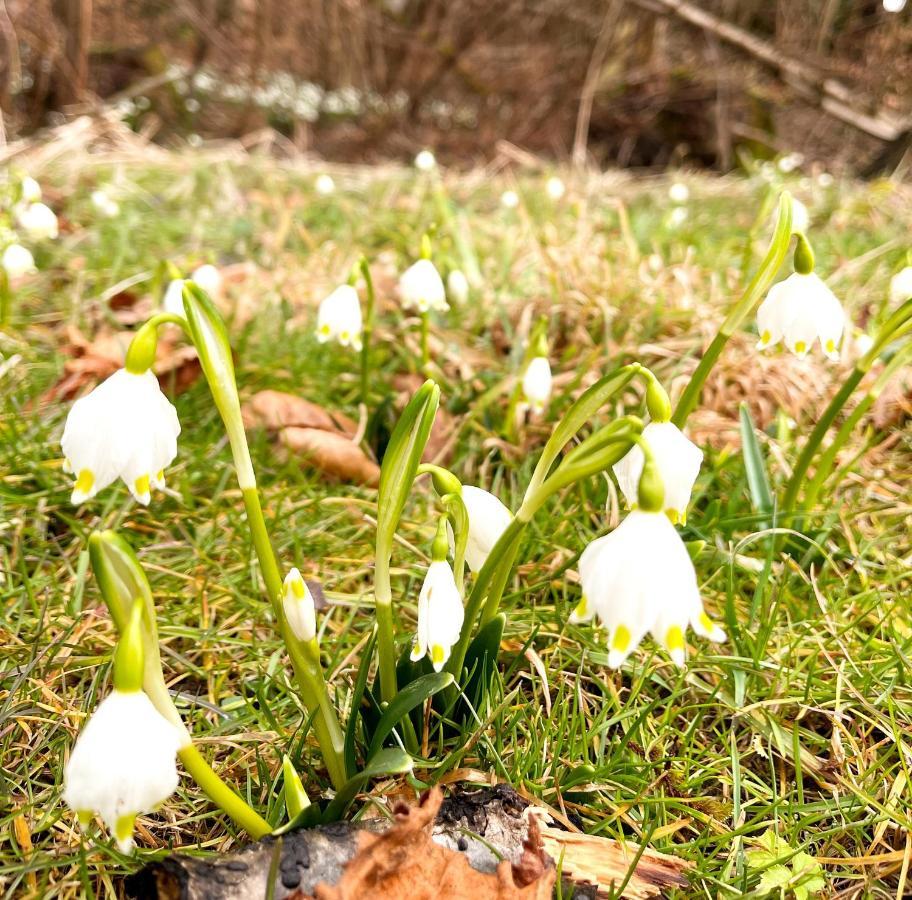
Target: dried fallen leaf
<point>405,863</point>
<point>331,452</point>
<point>276,410</point>
<point>894,405</point>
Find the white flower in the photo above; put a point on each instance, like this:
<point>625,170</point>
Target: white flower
<point>173,301</point>
<point>339,317</point>
<point>123,764</point>
<point>457,286</point>
<point>799,310</point>
<point>509,199</point>
<point>536,383</point>
<point>208,278</point>
<point>38,221</point>
<point>298,604</point>
<point>679,192</point>
<point>125,428</point>
<point>790,162</point>
<point>901,286</point>
<point>421,288</point>
<point>104,204</point>
<point>30,190</point>
<point>324,185</point>
<point>555,188</point>
<point>488,519</point>
<point>801,218</point>
<point>640,578</point>
<point>894,6</point>
<point>677,217</point>
<point>825,179</point>
<point>678,461</point>
<point>425,161</point>
<point>440,615</point>
<point>17,260</point>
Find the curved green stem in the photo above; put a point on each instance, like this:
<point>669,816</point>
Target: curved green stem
<point>367,329</point>
<point>760,283</point>
<point>425,345</point>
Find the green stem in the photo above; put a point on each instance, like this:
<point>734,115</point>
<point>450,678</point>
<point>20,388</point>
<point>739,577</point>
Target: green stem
<point>221,795</point>
<point>6,298</point>
<point>367,329</point>
<point>775,256</point>
<point>425,344</point>
<point>386,644</point>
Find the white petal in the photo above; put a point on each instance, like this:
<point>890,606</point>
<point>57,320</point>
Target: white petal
<point>173,301</point>
<point>440,613</point>
<point>537,382</point>
<point>421,287</point>
<point>488,519</point>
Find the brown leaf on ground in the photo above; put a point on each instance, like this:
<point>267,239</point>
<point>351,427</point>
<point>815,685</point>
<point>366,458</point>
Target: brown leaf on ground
<point>894,405</point>
<point>91,361</point>
<point>406,864</point>
<point>332,453</point>
<point>275,410</point>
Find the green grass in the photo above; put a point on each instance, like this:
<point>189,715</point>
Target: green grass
<point>801,722</point>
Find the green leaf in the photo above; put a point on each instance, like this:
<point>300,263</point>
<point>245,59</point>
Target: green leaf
<point>351,728</point>
<point>403,703</point>
<point>770,848</point>
<point>774,879</point>
<point>479,665</point>
<point>296,799</point>
<point>392,761</point>
<point>758,483</point>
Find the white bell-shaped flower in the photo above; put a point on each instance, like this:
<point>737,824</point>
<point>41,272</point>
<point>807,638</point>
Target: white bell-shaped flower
<point>555,188</point>
<point>123,764</point>
<point>901,286</point>
<point>457,286</point>
<point>339,317</point>
<point>678,461</point>
<point>425,161</point>
<point>509,199</point>
<point>208,277</point>
<point>537,382</point>
<point>298,605</point>
<point>639,578</point>
<point>29,190</point>
<point>421,288</point>
<point>799,311</point>
<point>678,192</point>
<point>324,185</point>
<point>17,260</point>
<point>488,519</point>
<point>104,204</point>
<point>173,301</point>
<point>126,428</point>
<point>440,615</point>
<point>38,221</point>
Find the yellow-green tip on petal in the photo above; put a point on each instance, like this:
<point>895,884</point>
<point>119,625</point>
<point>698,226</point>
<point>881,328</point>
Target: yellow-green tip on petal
<point>123,832</point>
<point>82,490</point>
<point>438,655</point>
<point>674,642</point>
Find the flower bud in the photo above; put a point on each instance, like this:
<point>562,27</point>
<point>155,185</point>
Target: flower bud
<point>298,605</point>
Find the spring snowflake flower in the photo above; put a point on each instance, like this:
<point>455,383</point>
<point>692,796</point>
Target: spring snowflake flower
<point>173,301</point>
<point>324,185</point>
<point>790,162</point>
<point>208,278</point>
<point>894,6</point>
<point>29,190</point>
<point>639,578</point>
<point>339,317</point>
<point>555,188</point>
<point>457,286</point>
<point>509,199</point>
<point>901,286</point>
<point>536,383</point>
<point>440,615</point>
<point>38,221</point>
<point>677,217</point>
<point>104,204</point>
<point>425,161</point>
<point>123,764</point>
<point>678,461</point>
<point>298,605</point>
<point>799,311</point>
<point>421,288</point>
<point>488,519</point>
<point>17,260</point>
<point>126,428</point>
<point>679,192</point>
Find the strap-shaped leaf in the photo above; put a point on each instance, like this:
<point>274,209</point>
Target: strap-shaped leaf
<point>391,761</point>
<point>354,715</point>
<point>754,467</point>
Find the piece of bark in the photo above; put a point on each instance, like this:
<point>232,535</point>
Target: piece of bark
<point>275,410</point>
<point>332,453</point>
<point>482,826</point>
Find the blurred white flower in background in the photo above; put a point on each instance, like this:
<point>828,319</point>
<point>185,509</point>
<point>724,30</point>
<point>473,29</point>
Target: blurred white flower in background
<point>901,286</point>
<point>677,217</point>
<point>457,286</point>
<point>790,162</point>
<point>679,192</point>
<point>38,221</point>
<point>324,185</point>
<point>894,6</point>
<point>537,383</point>
<point>425,161</point>
<point>208,277</point>
<point>104,204</point>
<point>555,188</point>
<point>421,288</point>
<point>30,190</point>
<point>509,199</point>
<point>173,301</point>
<point>825,180</point>
<point>17,261</point>
<point>801,218</point>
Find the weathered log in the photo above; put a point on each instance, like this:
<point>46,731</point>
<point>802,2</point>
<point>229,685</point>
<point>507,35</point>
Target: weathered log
<point>483,826</point>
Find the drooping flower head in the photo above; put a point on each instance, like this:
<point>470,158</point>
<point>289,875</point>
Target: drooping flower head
<point>488,519</point>
<point>537,383</point>
<point>799,311</point>
<point>425,161</point>
<point>29,190</point>
<point>208,277</point>
<point>104,204</point>
<point>17,261</point>
<point>901,286</point>
<point>38,221</point>
<point>457,286</point>
<point>678,192</point>
<point>173,301</point>
<point>421,288</point>
<point>509,199</point>
<point>555,188</point>
<point>339,317</point>
<point>298,605</point>
<point>125,428</point>
<point>324,185</point>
